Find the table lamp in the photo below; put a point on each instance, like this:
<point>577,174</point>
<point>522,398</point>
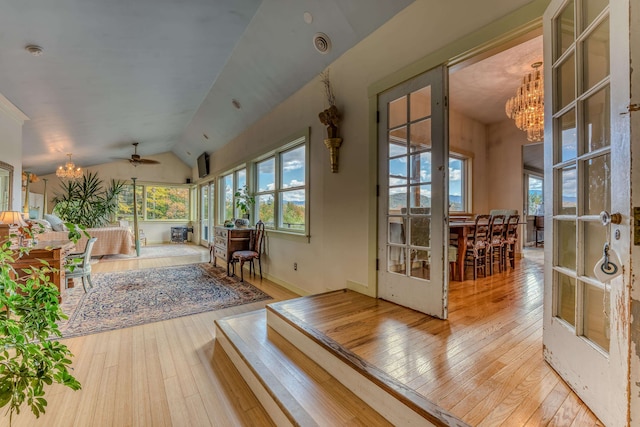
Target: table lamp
<point>11,221</point>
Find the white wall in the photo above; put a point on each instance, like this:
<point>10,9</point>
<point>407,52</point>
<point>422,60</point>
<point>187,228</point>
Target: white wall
<point>11,120</point>
<point>343,204</point>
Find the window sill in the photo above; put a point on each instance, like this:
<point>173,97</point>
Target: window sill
<point>286,235</point>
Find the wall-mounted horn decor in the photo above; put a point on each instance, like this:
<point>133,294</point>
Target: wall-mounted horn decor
<point>330,118</point>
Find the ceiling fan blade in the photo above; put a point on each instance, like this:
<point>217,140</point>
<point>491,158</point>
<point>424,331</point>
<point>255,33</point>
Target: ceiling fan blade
<point>149,162</point>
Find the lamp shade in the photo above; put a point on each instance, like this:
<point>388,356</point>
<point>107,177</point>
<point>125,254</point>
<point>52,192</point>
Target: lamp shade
<point>12,218</point>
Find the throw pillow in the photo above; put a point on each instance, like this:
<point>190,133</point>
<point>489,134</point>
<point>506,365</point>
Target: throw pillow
<point>56,223</point>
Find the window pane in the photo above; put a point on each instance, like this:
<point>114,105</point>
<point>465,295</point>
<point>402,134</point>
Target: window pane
<point>564,30</point>
<point>241,178</point>
<point>396,259</point>
<point>566,298</point>
<point>292,210</point>
<point>565,83</point>
<point>568,191</point>
<point>227,194</point>
<point>125,202</point>
<point>566,241</point>
<point>568,139</point>
<point>398,171</point>
<point>420,196</point>
<point>396,230</point>
<point>420,168</point>
<point>594,238</point>
<point>397,199</point>
<point>167,202</point>
<point>420,264</point>
<point>591,9</point>
<point>265,209</point>
<point>456,185</point>
<point>596,56</point>
<point>420,231</point>
<point>420,103</point>
<point>266,175</point>
<point>398,142</point>
<point>398,112</point>
<point>535,196</point>
<point>420,138</point>
<point>596,315</point>
<point>292,165</point>
<point>597,172</point>
<point>597,124</point>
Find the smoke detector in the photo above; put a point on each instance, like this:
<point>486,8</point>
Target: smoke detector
<point>33,49</point>
<point>322,43</point>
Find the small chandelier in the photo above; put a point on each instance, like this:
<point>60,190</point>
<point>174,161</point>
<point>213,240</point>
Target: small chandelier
<point>69,170</point>
<point>527,107</point>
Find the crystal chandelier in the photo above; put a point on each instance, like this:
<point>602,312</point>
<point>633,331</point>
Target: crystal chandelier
<point>527,107</point>
<point>69,170</point>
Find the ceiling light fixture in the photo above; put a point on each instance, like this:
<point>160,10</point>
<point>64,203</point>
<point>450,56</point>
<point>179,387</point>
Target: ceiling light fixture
<point>33,49</point>
<point>69,170</point>
<point>526,108</point>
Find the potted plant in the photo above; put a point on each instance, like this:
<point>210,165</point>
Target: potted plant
<point>30,355</point>
<point>245,202</point>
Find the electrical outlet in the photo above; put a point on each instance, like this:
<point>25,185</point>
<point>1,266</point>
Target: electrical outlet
<point>295,266</point>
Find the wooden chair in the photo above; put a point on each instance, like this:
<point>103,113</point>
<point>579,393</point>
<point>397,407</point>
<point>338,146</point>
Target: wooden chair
<point>80,265</point>
<point>538,225</point>
<point>256,244</point>
<point>496,255</point>
<point>511,240</point>
<point>477,246</point>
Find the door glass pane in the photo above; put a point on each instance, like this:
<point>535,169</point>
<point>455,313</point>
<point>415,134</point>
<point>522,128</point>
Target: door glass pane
<point>566,298</point>
<point>398,171</point>
<point>596,120</point>
<point>420,103</point>
<point>420,196</point>
<point>396,230</point>
<point>396,260</point>
<point>564,30</point>
<point>421,135</point>
<point>565,83</point>
<point>421,168</point>
<point>568,137</point>
<point>594,238</point>
<point>566,242</point>
<point>596,56</point>
<point>591,9</point>
<point>596,315</point>
<point>398,112</point>
<point>204,213</point>
<point>597,172</point>
<point>420,264</point>
<point>568,190</point>
<point>421,231</point>
<point>398,142</point>
<point>397,199</point>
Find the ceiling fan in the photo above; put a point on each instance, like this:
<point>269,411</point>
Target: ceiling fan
<point>136,160</point>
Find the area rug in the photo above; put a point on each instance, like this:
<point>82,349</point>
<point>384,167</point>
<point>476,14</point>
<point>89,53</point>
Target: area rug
<point>159,251</point>
<point>135,297</point>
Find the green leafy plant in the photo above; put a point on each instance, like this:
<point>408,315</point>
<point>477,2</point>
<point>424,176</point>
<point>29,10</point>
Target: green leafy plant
<point>30,356</point>
<point>87,201</point>
<point>244,201</point>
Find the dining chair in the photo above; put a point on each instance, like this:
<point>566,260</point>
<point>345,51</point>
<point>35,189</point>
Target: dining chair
<point>477,246</point>
<point>79,265</point>
<point>256,244</point>
<point>511,240</point>
<point>496,254</point>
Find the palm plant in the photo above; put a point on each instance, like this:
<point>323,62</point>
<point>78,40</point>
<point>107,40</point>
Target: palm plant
<point>87,201</point>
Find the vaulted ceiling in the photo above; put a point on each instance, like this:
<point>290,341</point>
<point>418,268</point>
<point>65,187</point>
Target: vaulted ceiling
<point>163,73</point>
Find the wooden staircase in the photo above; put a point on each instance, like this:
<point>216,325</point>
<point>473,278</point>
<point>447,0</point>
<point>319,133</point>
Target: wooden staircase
<point>302,377</point>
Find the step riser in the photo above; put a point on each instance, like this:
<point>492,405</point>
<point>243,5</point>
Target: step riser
<point>386,404</point>
<point>262,394</point>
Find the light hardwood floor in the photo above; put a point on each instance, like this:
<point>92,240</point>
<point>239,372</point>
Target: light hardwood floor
<point>172,373</point>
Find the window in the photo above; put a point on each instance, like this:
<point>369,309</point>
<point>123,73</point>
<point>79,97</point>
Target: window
<point>458,175</point>
<point>230,184</point>
<point>281,190</point>
<point>534,196</point>
<point>155,202</point>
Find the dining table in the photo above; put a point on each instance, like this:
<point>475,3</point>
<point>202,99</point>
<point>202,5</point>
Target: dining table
<point>462,229</point>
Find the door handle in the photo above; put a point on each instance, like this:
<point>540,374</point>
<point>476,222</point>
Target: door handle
<point>606,218</point>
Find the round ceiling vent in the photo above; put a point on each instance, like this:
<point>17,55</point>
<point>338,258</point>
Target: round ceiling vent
<point>322,43</point>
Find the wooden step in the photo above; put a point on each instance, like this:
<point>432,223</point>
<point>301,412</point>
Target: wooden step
<point>294,390</point>
<point>394,400</point>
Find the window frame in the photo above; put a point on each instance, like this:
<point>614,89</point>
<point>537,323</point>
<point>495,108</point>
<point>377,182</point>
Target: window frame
<point>466,183</point>
<point>142,213</point>
<point>221,191</point>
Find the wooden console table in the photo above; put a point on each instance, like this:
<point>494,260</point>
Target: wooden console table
<point>229,240</point>
<point>53,252</point>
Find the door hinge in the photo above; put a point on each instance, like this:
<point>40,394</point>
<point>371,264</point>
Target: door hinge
<point>446,102</point>
<point>377,264</point>
<point>377,116</point>
<point>377,191</point>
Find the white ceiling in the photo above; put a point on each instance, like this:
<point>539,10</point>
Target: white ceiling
<point>162,72</point>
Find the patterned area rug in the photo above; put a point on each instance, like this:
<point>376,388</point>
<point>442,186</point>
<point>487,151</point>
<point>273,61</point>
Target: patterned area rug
<point>135,297</point>
<point>159,251</point>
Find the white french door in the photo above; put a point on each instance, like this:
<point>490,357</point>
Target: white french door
<point>587,152</point>
<point>207,198</point>
<point>413,150</point>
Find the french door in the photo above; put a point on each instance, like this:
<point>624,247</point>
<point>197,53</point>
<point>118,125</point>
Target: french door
<point>207,199</point>
<point>587,152</point>
<point>412,171</point>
